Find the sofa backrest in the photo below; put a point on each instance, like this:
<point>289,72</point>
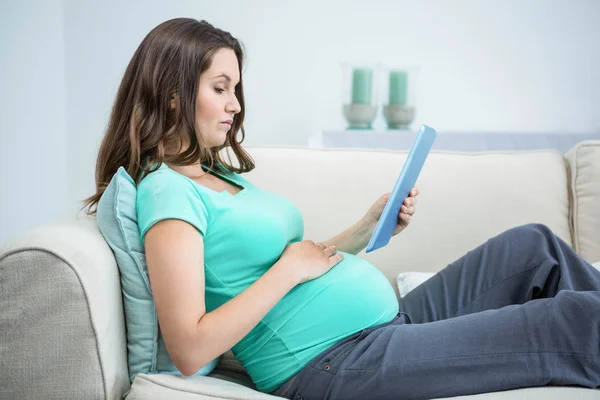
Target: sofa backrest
<point>465,198</point>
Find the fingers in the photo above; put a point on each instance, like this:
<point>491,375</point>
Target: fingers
<point>405,217</point>
<point>407,210</point>
<point>411,200</point>
<point>329,251</point>
<point>408,207</point>
<point>333,260</point>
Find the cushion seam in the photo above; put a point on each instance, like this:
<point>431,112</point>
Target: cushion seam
<point>119,216</point>
<point>570,206</point>
<point>576,202</point>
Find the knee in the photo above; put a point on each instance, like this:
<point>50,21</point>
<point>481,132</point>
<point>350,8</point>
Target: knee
<point>534,232</point>
<point>537,228</point>
<point>570,304</point>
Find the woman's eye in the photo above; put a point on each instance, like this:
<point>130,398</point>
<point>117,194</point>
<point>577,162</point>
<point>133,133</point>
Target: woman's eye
<point>218,90</point>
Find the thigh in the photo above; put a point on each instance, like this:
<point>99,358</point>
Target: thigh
<point>499,272</point>
<point>544,342</point>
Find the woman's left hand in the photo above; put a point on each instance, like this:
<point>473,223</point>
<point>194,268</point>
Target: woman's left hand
<point>406,211</point>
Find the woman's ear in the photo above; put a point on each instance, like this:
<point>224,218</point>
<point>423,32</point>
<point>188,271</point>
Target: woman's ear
<point>174,103</point>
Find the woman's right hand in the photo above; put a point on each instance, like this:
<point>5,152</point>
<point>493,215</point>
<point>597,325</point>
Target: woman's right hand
<point>307,260</point>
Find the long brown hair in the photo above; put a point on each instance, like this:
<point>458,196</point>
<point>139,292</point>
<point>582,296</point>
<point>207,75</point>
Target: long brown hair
<point>143,126</point>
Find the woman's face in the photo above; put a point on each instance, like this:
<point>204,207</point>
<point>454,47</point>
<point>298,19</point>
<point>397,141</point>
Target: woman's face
<point>216,103</point>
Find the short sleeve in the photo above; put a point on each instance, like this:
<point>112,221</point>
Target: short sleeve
<point>163,196</point>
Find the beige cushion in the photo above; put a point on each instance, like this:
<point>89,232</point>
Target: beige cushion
<point>407,281</point>
<point>465,197</point>
<point>170,387</point>
<point>543,393</point>
<point>584,160</point>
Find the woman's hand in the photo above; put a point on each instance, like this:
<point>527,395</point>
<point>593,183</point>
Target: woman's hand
<point>406,211</point>
<point>307,260</point>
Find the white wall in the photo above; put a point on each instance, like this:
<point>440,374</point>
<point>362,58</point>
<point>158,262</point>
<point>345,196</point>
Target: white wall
<point>503,65</point>
<point>33,180</point>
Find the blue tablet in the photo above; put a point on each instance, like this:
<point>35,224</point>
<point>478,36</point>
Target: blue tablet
<point>406,181</point>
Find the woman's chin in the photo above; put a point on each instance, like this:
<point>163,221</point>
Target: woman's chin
<point>219,139</point>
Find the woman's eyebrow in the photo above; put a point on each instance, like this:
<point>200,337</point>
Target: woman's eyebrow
<point>222,76</point>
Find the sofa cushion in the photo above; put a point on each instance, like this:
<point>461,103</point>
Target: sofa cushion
<point>407,281</point>
<point>217,387</point>
<point>117,221</point>
<point>584,160</point>
<point>169,387</point>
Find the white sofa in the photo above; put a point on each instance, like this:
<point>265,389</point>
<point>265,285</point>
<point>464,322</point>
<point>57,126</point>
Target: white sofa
<point>61,318</point>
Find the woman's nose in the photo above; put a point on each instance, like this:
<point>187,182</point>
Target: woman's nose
<point>234,106</point>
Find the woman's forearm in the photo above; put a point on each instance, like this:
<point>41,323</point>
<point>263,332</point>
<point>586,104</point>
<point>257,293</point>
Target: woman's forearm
<point>220,329</point>
<point>352,240</point>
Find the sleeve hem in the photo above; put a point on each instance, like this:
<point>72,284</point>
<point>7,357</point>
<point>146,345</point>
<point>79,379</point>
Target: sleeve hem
<point>155,221</point>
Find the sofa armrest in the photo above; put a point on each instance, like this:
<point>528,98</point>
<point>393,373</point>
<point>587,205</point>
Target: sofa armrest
<point>584,162</point>
<point>61,315</point>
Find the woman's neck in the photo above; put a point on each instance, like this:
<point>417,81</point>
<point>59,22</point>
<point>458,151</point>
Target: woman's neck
<point>191,171</point>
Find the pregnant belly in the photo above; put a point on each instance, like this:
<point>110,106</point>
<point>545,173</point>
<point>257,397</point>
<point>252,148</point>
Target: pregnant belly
<point>352,296</point>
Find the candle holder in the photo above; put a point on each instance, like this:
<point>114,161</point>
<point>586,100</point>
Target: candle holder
<point>398,96</point>
<point>398,116</point>
<point>359,94</point>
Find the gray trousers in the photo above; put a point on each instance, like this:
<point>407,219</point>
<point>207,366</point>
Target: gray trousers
<point>521,310</point>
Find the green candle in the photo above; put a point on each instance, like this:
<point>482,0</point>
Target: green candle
<point>361,85</point>
<point>398,87</point>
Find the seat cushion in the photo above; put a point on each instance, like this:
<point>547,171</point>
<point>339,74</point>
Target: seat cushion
<point>117,221</point>
<point>170,387</point>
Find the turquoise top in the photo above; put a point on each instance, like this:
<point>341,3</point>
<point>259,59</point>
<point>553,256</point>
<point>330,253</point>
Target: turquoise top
<point>244,235</point>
